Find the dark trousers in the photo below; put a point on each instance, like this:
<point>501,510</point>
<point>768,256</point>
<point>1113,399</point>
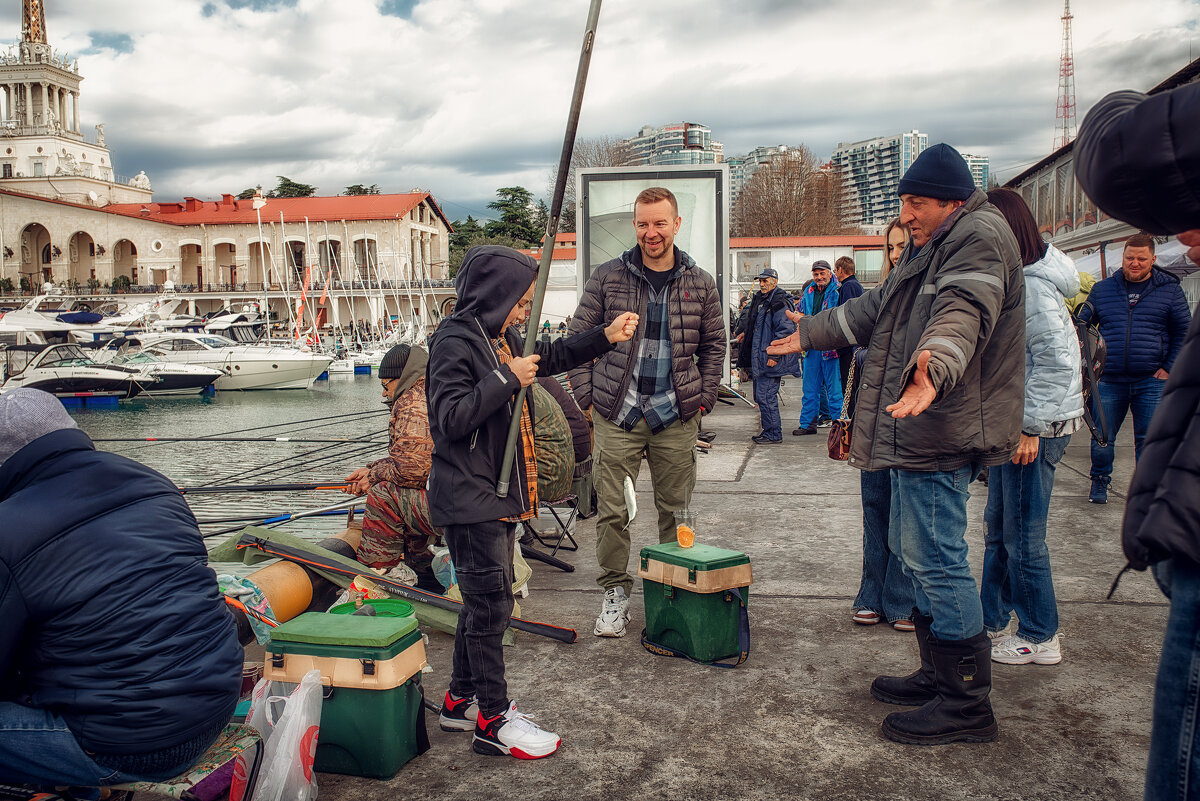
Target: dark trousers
<point>844,362</point>
<point>483,556</point>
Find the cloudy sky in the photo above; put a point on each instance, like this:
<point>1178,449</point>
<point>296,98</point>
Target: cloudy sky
<point>461,97</point>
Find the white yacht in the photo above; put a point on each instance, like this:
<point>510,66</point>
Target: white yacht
<point>67,372</point>
<point>244,366</point>
<point>163,378</point>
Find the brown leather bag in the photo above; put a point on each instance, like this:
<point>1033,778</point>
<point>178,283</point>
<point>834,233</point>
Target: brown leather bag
<point>840,432</point>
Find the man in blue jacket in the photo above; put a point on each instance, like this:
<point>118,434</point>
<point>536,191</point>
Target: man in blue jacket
<point>1143,316</point>
<point>767,321</point>
<point>118,658</point>
<point>822,384</point>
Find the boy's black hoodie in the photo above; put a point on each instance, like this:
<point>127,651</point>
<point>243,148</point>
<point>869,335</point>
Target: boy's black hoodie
<point>470,394</point>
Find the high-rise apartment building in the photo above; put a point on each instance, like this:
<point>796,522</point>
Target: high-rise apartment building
<point>871,170</point>
<point>742,168</point>
<point>680,143</point>
<point>980,171</point>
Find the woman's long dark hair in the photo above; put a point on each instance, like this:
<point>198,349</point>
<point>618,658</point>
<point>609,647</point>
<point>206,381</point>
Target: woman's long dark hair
<point>1020,220</point>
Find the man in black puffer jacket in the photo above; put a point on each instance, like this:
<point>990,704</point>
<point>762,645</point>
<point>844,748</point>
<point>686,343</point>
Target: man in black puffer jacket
<point>118,658</point>
<point>1138,158</point>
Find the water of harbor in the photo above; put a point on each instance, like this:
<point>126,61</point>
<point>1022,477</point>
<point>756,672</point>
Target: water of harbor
<point>319,413</point>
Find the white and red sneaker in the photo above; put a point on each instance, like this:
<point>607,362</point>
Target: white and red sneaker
<point>513,733</point>
<point>458,714</point>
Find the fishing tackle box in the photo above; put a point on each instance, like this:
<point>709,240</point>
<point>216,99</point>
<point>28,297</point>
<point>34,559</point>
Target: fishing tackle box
<point>690,599</point>
<point>372,721</point>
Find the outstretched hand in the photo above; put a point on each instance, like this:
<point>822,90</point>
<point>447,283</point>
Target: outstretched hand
<point>918,394</point>
<point>789,344</point>
<point>622,328</point>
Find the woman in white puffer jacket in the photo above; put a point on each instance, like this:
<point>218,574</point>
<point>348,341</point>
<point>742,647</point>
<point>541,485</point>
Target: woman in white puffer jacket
<point>1016,564</point>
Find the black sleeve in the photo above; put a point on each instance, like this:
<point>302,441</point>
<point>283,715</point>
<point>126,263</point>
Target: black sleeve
<point>566,352</point>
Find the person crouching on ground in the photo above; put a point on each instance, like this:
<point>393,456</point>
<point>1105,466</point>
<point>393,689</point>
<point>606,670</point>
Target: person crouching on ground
<point>121,660</point>
<point>766,321</point>
<point>473,375</point>
<point>396,525</point>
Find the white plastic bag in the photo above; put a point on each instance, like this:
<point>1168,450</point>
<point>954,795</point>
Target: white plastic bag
<point>289,725</point>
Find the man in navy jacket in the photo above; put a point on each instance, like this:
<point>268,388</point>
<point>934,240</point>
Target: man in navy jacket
<point>118,658</point>
<point>1143,315</point>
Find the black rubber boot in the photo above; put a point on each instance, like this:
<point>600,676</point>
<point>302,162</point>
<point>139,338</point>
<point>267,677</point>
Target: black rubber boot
<point>961,711</point>
<point>915,688</point>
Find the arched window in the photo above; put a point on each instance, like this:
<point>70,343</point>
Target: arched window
<point>46,254</point>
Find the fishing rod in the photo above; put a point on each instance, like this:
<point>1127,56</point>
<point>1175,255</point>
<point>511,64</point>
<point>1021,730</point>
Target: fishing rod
<point>258,518</point>
<point>288,461</point>
<point>239,439</point>
<point>334,485</point>
<point>556,201</point>
<point>341,507</point>
<point>339,418</point>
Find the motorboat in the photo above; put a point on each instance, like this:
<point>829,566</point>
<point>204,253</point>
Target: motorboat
<point>244,366</point>
<point>166,378</point>
<point>66,371</point>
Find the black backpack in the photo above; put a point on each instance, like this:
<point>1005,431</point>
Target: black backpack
<point>1094,351</point>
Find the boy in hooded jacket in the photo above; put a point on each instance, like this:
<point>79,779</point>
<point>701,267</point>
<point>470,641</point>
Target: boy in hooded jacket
<point>474,373</point>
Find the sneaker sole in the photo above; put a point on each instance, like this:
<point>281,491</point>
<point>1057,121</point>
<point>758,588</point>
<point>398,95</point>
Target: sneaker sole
<point>984,735</point>
<point>451,724</point>
<point>490,748</point>
<point>1030,660</point>
<point>608,632</point>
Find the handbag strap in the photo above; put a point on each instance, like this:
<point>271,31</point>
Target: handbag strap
<point>848,390</point>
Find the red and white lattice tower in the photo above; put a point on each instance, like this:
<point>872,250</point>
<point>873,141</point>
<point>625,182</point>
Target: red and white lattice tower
<point>1064,125</point>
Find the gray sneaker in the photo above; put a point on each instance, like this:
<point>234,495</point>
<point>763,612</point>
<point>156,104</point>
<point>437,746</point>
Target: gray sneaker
<point>614,614</point>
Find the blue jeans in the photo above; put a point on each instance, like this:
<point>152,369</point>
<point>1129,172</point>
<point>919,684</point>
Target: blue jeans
<point>822,389</point>
<point>766,395</point>
<point>1173,771</point>
<point>884,589</point>
<point>1142,397</point>
<point>38,749</point>
<point>928,529</point>
<point>1016,561</point>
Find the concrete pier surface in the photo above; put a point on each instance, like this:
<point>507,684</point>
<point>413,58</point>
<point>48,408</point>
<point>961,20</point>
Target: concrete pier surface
<point>797,721</point>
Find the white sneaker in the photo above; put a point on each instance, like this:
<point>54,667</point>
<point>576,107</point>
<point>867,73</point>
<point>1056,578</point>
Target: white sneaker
<point>1002,634</point>
<point>1016,650</point>
<point>614,614</point>
<point>515,734</point>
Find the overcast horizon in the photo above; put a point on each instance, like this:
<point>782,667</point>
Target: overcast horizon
<point>462,98</point>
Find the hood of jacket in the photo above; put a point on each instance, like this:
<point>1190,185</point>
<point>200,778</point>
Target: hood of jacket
<point>1056,269</point>
<point>489,283</point>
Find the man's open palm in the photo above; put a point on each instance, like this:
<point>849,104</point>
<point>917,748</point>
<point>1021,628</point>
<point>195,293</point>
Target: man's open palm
<point>919,393</point>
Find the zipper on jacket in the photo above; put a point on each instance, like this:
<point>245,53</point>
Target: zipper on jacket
<point>491,349</point>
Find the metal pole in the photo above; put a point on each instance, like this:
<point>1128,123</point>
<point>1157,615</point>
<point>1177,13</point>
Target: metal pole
<point>560,188</point>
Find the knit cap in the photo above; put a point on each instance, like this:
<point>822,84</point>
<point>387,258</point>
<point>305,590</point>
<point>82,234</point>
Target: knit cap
<point>939,172</point>
<point>25,415</point>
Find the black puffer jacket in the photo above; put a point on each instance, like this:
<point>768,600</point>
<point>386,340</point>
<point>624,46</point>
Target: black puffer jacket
<point>471,394</point>
<point>698,341</point>
<point>109,613</point>
<point>1137,157</point>
<point>1162,515</point>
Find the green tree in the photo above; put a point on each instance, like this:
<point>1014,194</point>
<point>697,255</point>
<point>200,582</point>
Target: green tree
<point>464,232</point>
<point>359,189</point>
<point>514,207</point>
<point>480,238</point>
<point>247,193</point>
<point>541,217</point>
<point>289,188</point>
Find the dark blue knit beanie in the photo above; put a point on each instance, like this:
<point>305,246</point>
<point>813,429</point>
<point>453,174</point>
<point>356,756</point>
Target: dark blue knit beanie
<point>939,172</point>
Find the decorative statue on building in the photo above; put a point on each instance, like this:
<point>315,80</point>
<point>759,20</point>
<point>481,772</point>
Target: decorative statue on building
<point>140,181</point>
<point>100,135</point>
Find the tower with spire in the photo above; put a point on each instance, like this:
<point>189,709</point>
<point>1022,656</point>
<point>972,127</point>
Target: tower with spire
<point>43,150</point>
<point>1064,123</point>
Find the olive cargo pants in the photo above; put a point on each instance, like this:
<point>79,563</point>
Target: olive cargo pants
<point>618,453</point>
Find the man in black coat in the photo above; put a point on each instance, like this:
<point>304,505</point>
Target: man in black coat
<point>1138,158</point>
<point>118,658</point>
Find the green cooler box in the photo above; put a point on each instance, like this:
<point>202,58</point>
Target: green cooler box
<point>689,604</point>
<point>372,721</point>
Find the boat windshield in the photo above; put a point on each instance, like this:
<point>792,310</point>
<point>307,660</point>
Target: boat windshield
<point>66,356</point>
<point>136,357</point>
<point>214,341</point>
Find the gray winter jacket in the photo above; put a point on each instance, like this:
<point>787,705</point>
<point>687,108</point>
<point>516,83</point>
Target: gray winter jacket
<point>698,342</point>
<point>1053,370</point>
<point>961,297</point>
